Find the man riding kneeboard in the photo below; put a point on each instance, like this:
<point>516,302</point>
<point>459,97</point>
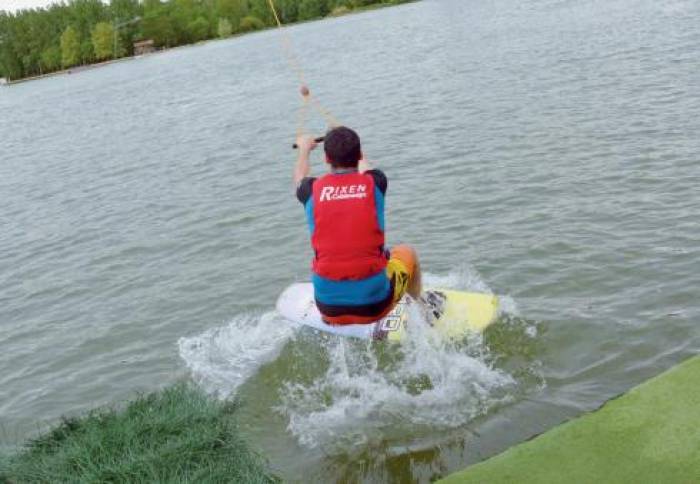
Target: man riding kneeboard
<point>356,279</point>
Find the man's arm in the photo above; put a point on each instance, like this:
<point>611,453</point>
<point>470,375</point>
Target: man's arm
<point>302,169</point>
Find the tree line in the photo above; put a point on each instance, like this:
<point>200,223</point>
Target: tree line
<point>39,41</point>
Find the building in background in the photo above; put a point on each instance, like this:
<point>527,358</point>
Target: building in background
<point>144,47</point>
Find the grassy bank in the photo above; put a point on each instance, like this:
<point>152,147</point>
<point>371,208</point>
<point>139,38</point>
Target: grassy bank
<point>177,435</point>
<point>648,435</point>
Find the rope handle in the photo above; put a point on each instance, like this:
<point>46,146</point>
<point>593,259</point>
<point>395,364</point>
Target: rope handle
<point>320,139</point>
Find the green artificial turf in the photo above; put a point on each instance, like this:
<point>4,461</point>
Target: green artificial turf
<point>177,435</point>
<point>649,435</point>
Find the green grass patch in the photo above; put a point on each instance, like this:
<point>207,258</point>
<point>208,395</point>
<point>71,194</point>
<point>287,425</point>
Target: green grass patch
<point>648,435</point>
<point>176,435</point>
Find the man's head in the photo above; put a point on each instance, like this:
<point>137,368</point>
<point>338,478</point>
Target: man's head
<point>342,147</point>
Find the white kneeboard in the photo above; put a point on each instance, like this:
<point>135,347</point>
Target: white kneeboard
<point>455,314</point>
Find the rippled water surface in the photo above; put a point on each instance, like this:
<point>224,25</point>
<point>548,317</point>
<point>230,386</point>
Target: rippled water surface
<point>546,151</point>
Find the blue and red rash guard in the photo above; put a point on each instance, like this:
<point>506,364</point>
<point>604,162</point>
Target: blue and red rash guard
<point>345,213</point>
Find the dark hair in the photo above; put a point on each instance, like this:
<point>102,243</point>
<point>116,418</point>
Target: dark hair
<point>342,146</point>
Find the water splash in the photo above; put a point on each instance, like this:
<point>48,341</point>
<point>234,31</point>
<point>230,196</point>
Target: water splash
<point>221,359</point>
<point>340,394</point>
<point>371,393</point>
<point>465,278</point>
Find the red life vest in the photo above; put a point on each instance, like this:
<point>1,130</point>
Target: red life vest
<point>347,237</point>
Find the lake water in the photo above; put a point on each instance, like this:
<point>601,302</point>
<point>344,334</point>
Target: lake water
<point>546,151</point>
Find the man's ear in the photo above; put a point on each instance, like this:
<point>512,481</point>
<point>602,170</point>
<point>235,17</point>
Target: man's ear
<point>328,159</point>
<point>362,155</point>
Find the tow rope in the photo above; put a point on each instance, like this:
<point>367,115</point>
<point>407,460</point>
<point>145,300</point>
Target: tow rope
<point>307,98</point>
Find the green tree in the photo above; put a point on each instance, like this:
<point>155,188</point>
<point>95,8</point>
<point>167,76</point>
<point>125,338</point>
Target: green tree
<point>233,10</point>
<point>70,48</point>
<point>251,23</point>
<point>182,14</point>
<point>260,9</point>
<point>51,58</point>
<point>103,40</point>
<point>198,29</point>
<point>125,11</point>
<point>84,15</point>
<point>309,9</point>
<point>9,61</point>
<point>87,52</point>
<point>225,28</point>
<point>157,24</point>
<point>361,3</point>
<point>33,41</point>
<point>288,10</point>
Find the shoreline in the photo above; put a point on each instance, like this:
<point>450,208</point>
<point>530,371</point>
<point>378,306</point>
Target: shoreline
<point>75,70</point>
<point>97,65</point>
